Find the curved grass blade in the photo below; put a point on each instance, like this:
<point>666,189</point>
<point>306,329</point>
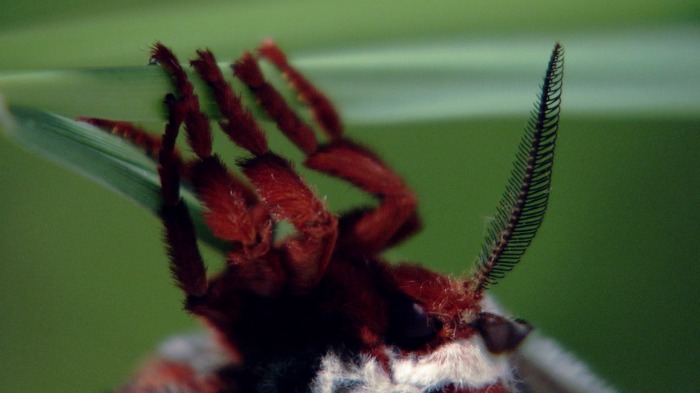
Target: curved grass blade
<point>128,93</point>
<point>524,203</point>
<point>415,82</point>
<point>105,158</point>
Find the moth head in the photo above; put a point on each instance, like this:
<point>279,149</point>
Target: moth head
<point>439,309</point>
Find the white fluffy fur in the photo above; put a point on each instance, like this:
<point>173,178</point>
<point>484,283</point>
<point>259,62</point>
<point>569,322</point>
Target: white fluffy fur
<point>198,350</point>
<point>464,363</point>
<point>542,363</point>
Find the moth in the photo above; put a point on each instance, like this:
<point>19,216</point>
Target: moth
<point>319,310</point>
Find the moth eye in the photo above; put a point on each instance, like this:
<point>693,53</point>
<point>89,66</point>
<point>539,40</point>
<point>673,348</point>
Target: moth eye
<point>410,325</point>
<point>501,334</point>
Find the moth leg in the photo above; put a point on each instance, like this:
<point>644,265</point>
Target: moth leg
<point>321,107</point>
<point>366,231</point>
<point>149,143</point>
<point>306,254</point>
<point>186,263</point>
<point>371,230</point>
<point>233,211</point>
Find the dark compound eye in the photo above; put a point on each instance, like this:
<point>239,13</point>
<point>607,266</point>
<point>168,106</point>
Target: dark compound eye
<point>411,326</point>
<point>501,334</point>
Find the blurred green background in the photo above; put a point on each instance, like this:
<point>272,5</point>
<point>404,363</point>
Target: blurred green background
<point>613,274</point>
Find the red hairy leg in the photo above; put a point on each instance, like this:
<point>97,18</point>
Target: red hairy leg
<point>248,71</point>
<point>321,107</point>
<point>239,123</point>
<point>186,262</point>
<point>307,254</point>
<point>136,135</point>
<point>233,211</point>
<point>148,142</point>
<point>366,231</point>
<point>369,231</point>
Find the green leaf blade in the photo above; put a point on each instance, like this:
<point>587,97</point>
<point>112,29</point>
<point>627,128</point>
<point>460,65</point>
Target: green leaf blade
<point>379,84</point>
<point>105,158</point>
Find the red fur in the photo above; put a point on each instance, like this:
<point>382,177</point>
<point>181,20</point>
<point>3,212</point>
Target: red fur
<point>433,290</point>
<point>187,267</point>
<point>196,123</point>
<point>170,164</point>
<point>322,109</point>
<point>138,136</point>
<point>165,57</point>
<point>248,71</point>
<point>240,125</point>
<point>307,253</point>
<point>233,211</point>
<point>197,128</point>
<point>375,229</point>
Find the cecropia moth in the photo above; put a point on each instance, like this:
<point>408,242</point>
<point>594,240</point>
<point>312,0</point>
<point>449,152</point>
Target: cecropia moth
<point>318,310</point>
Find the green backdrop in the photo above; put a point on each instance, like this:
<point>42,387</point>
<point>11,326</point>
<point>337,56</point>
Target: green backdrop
<point>613,274</point>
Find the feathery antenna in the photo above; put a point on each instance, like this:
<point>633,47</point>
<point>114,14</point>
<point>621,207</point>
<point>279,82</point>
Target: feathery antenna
<point>524,202</point>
